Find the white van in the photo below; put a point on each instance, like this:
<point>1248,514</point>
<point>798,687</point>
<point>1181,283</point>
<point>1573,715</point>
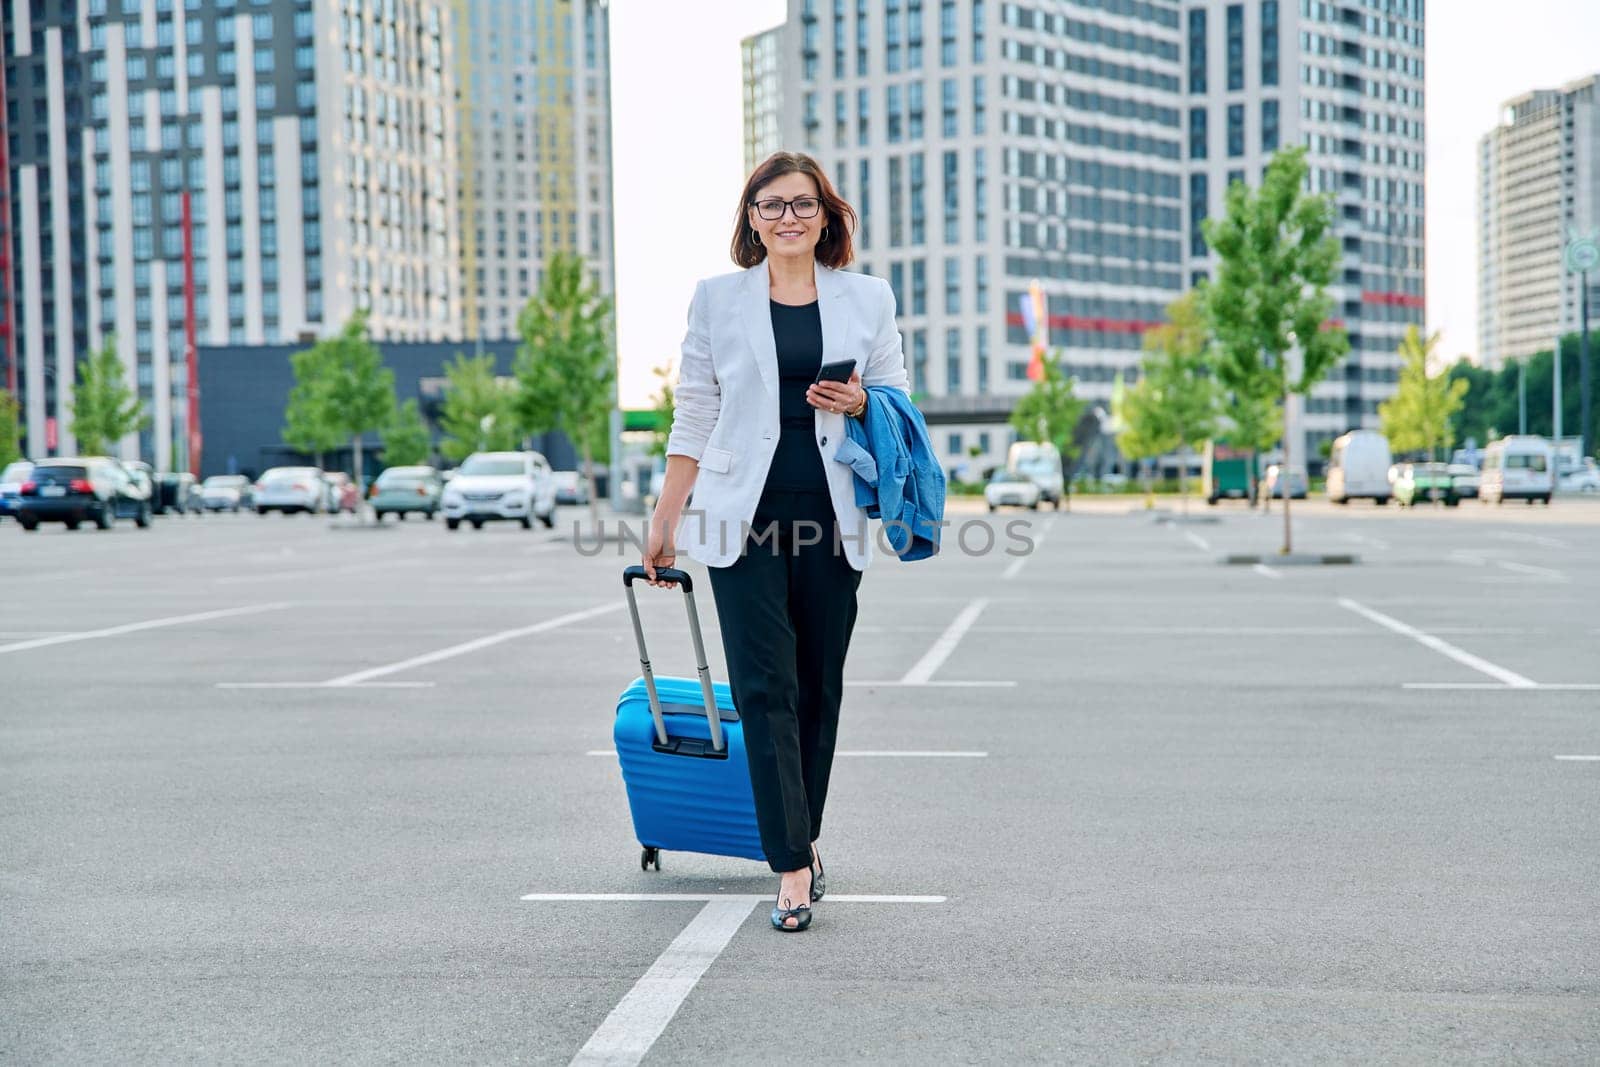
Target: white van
<point>1358,466</point>
<point>1040,463</point>
<point>1518,468</point>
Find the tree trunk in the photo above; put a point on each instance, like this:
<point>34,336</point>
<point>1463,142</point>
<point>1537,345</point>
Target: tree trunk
<point>361,496</point>
<point>1183,479</point>
<point>1283,475</point>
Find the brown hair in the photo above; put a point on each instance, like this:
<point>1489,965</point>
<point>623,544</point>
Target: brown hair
<point>834,250</point>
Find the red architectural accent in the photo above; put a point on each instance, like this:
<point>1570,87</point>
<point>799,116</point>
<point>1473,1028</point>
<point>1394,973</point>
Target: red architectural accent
<point>1085,322</point>
<point>1402,300</point>
<point>191,354</point>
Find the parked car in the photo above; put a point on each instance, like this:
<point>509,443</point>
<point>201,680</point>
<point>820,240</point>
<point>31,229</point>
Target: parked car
<point>177,491</point>
<point>1012,488</point>
<point>496,486</point>
<point>403,490</point>
<point>1358,466</point>
<point>11,480</point>
<point>342,494</point>
<point>290,489</point>
<point>1419,483</point>
<point>1464,480</point>
<point>73,490</point>
<point>572,487</point>
<point>226,492</point>
<point>1041,462</point>
<point>1272,490</point>
<point>1584,479</point>
<point>1518,467</point>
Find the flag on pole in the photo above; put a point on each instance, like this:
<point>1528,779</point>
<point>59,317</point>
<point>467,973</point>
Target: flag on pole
<point>1037,322</point>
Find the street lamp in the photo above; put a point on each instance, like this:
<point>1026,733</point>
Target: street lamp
<point>1583,255</point>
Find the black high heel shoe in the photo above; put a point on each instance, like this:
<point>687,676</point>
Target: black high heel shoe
<point>801,914</point>
<point>819,877</point>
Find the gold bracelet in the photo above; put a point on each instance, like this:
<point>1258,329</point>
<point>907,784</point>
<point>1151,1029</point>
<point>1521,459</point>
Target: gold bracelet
<point>855,413</point>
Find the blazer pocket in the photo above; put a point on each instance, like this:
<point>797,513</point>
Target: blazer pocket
<point>716,459</point>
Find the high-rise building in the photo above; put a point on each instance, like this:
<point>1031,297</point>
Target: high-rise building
<point>991,144</point>
<point>318,151</point>
<point>1538,185</point>
<point>534,108</point>
<point>1346,81</point>
<point>763,95</point>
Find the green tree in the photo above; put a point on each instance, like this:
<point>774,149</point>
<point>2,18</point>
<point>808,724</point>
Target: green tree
<point>1476,415</point>
<point>406,441</point>
<point>479,413</point>
<point>565,369</point>
<point>1277,255</point>
<point>360,388</point>
<point>665,408</point>
<point>309,422</point>
<point>1181,380</point>
<point>1050,412</point>
<point>104,408</point>
<point>1418,417</point>
<point>10,428</point>
<point>1148,429</point>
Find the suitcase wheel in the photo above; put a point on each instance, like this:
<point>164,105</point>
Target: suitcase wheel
<point>649,856</point>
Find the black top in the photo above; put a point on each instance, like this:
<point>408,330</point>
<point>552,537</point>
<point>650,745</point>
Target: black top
<point>797,463</point>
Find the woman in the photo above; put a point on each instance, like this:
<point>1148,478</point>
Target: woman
<point>774,517</point>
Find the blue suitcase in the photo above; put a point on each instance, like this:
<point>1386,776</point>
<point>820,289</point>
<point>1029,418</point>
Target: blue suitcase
<point>683,763</point>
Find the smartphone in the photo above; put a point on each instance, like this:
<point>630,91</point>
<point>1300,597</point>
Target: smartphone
<point>836,372</point>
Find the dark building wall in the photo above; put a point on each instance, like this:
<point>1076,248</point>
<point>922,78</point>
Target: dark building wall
<point>245,388</point>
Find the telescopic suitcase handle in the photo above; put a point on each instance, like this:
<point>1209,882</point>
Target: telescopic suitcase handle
<point>682,578</point>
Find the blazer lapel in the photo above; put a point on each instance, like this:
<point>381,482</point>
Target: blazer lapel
<point>835,312</point>
<point>758,324</point>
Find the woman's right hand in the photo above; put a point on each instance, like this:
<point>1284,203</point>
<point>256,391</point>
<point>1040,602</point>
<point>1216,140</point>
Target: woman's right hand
<point>659,550</point>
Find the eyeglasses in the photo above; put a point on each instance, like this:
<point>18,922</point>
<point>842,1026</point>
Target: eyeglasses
<point>805,207</point>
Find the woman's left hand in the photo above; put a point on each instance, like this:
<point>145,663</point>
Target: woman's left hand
<point>836,396</point>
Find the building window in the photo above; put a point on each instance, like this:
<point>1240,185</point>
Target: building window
<point>918,215</point>
<point>977,104</point>
<point>1269,125</point>
<point>952,360</point>
<point>947,33</point>
<point>897,285</point>
<point>952,198</point>
<point>952,286</point>
<point>1235,47</point>
<point>919,287</point>
<point>1197,133</point>
<point>982,289</point>
<point>980,189</point>
<point>1199,208</point>
<point>892,108</point>
<point>914,114</point>
<point>1235,130</point>
<point>1197,50</point>
<point>983,369</point>
<point>919,360</point>
<point>897,234</point>
<point>1269,42</point>
<point>864,200</point>
<point>947,102</point>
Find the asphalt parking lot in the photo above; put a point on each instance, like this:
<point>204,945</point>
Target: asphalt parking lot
<point>279,792</point>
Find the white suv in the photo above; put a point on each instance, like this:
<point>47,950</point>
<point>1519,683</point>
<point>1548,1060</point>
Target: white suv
<point>500,485</point>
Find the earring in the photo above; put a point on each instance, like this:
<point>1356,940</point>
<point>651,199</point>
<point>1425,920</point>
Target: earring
<point>755,238</point>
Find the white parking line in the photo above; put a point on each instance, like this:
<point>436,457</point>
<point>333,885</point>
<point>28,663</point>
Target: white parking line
<point>1583,759</point>
<point>358,677</point>
<point>134,627</point>
<point>324,685</point>
<point>1477,663</point>
<point>1532,539</point>
<point>860,752</point>
<point>1016,565</point>
<point>1197,541</point>
<point>1266,571</point>
<point>627,1033</point>
<point>1529,568</point>
<point>923,669</point>
<point>1581,687</point>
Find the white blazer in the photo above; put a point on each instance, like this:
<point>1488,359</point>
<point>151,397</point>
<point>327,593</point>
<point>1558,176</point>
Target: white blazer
<point>726,402</point>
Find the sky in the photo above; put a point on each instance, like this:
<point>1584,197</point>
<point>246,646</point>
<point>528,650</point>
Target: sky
<point>678,156</point>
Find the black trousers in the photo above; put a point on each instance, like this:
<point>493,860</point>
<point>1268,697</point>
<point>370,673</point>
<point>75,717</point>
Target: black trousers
<point>787,610</point>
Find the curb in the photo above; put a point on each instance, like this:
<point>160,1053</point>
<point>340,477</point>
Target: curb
<point>1293,559</point>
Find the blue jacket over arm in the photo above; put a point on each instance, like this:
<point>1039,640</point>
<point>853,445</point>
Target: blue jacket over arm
<point>897,478</point>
